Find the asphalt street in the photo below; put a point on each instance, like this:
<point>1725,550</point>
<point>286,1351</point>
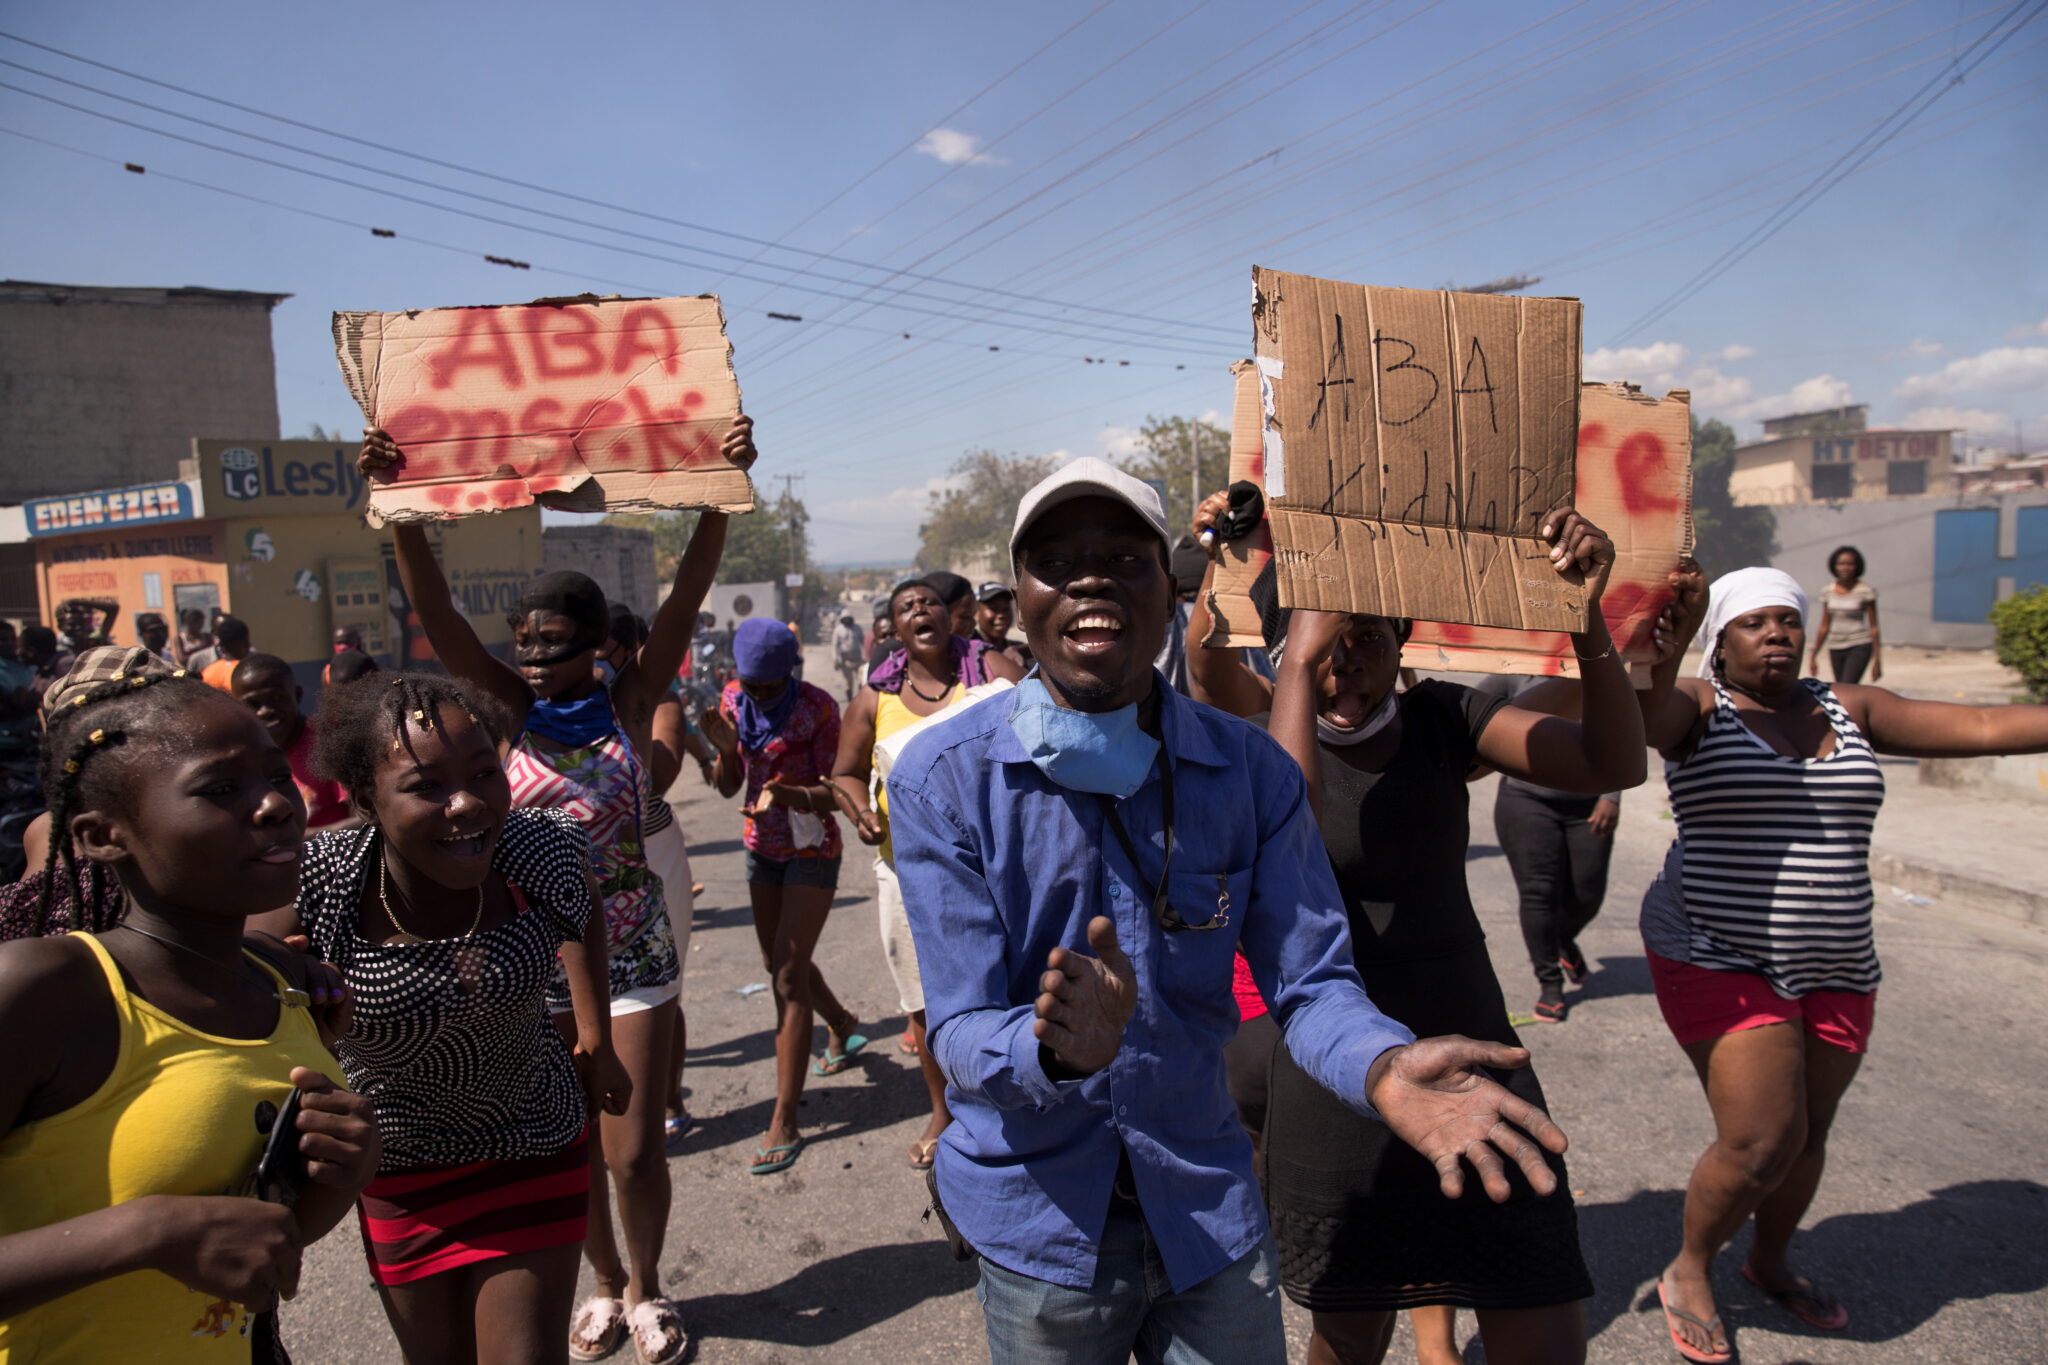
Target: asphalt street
<point>1929,1226</point>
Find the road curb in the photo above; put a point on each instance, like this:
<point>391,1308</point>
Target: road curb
<point>1951,884</point>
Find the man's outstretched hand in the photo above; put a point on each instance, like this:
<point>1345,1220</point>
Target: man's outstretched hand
<point>1085,1002</point>
<point>1433,1096</point>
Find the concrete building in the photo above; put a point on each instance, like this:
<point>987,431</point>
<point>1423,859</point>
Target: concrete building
<point>273,532</point>
<point>106,387</point>
<point>620,558</point>
<point>1938,564</point>
<point>1831,456</point>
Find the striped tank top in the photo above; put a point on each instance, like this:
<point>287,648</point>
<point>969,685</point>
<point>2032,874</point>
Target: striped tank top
<point>1771,869</point>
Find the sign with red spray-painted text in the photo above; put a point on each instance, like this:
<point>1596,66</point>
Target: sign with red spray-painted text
<point>1634,481</point>
<point>1414,442</point>
<point>583,404</point>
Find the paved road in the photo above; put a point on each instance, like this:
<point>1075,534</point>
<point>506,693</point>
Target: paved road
<point>1930,1225</point>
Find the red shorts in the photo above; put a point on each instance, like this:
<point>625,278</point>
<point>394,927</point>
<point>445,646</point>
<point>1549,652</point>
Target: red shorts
<point>1703,1002</point>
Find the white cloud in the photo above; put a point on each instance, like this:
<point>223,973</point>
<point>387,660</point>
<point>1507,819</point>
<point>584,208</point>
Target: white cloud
<point>2003,369</point>
<point>905,506</point>
<point>2030,329</point>
<point>1717,394</point>
<point>1120,442</point>
<point>1921,346</point>
<point>1735,350</point>
<point>955,148</point>
<point>1649,365</point>
<point>1732,397</point>
<point>1976,423</point>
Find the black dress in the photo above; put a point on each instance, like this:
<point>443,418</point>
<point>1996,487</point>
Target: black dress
<point>1359,1219</point>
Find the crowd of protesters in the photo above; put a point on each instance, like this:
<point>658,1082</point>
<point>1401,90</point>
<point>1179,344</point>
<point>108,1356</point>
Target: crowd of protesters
<point>1181,937</point>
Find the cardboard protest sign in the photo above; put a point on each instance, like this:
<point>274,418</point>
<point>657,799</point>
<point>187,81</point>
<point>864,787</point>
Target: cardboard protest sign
<point>1634,482</point>
<point>1414,440</point>
<point>585,404</point>
<point>1233,617</point>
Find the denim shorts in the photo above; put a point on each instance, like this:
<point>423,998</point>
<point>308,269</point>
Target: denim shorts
<point>796,872</point>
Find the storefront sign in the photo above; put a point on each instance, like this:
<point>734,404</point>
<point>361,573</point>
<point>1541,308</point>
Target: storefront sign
<point>137,506</point>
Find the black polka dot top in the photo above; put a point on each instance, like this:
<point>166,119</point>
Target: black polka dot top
<point>451,1039</point>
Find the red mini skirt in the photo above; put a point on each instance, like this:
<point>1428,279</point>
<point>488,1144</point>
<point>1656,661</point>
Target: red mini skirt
<point>434,1218</point>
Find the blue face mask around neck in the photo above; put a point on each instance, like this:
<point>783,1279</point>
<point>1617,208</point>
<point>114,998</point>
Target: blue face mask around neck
<point>1086,751</point>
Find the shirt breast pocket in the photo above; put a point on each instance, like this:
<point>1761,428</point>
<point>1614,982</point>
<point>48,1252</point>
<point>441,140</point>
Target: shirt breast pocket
<point>1213,905</point>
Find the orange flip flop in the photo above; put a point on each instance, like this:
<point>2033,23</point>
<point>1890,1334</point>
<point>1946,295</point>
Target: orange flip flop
<point>1685,1348</point>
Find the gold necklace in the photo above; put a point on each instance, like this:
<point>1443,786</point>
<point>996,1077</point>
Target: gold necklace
<point>288,995</point>
<point>384,899</point>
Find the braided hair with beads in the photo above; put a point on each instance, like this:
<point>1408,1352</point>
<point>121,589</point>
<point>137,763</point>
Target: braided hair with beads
<point>357,719</point>
<point>111,697</point>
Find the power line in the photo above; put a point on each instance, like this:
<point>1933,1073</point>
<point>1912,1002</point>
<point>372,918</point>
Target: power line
<point>1886,128</point>
<point>915,142</point>
<point>506,180</point>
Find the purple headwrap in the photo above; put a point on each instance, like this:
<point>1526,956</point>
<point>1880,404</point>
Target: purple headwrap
<point>968,656</point>
<point>765,651</point>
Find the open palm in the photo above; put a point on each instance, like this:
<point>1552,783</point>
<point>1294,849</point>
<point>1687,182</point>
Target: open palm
<point>1434,1097</point>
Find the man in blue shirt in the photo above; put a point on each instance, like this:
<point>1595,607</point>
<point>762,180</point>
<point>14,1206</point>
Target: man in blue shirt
<point>1096,1162</point>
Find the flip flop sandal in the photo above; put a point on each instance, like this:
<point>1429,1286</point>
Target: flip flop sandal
<point>658,1333</point>
<point>597,1328</point>
<point>1712,1329</point>
<point>907,1044</point>
<point>768,1162</point>
<point>1809,1303</point>
<point>921,1154</point>
<point>675,1125</point>
<point>832,1063</point>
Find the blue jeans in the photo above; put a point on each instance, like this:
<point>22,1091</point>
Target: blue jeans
<point>1231,1318</point>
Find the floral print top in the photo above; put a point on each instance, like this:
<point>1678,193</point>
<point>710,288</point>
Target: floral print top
<point>802,751</point>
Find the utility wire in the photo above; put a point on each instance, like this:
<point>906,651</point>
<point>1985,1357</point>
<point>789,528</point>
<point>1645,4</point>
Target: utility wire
<point>501,179</point>
<point>1882,132</point>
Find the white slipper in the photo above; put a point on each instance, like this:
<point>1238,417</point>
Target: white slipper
<point>601,1321</point>
<point>658,1332</point>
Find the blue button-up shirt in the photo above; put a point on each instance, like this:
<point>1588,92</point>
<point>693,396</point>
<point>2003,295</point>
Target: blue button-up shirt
<point>999,865</point>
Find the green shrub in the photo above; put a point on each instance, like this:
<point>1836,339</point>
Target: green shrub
<point>2022,624</point>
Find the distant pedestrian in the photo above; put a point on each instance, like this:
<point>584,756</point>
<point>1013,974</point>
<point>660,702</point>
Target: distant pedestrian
<point>1558,845</point>
<point>882,639</point>
<point>1848,620</point>
<point>40,652</point>
<point>154,633</point>
<point>347,666</point>
<point>958,596</point>
<point>777,738</point>
<point>995,611</point>
<point>848,654</point>
<point>1758,931</point>
<point>216,666</point>
<point>265,684</point>
<point>192,637</point>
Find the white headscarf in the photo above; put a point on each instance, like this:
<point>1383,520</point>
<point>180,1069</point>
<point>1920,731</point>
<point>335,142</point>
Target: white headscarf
<point>1740,593</point>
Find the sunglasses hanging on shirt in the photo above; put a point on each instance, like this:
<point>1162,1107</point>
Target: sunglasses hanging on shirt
<point>1169,918</point>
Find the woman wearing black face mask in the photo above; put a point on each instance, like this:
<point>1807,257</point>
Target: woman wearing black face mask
<point>581,744</point>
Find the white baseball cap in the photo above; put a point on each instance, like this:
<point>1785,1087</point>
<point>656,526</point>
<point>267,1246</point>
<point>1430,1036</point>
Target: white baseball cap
<point>1089,477</point>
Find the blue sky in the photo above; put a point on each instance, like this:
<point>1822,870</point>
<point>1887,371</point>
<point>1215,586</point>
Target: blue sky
<point>1025,188</point>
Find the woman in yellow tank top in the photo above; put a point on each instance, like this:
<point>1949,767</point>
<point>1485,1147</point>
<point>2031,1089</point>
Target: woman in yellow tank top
<point>936,668</point>
<point>129,1227</point>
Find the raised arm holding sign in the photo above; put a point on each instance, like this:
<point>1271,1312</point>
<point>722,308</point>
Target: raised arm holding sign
<point>1414,441</point>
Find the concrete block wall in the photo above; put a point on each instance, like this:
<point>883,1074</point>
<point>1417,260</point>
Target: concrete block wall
<point>105,387</point>
<point>620,558</point>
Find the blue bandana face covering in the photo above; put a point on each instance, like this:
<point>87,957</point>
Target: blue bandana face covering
<point>1083,751</point>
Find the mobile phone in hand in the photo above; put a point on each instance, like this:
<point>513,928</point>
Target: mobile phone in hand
<point>281,1171</point>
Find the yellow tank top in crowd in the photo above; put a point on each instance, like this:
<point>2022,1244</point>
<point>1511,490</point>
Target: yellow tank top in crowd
<point>176,1115</point>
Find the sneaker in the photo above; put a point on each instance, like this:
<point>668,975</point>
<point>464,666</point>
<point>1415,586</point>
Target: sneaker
<point>1574,963</point>
<point>1550,1006</point>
